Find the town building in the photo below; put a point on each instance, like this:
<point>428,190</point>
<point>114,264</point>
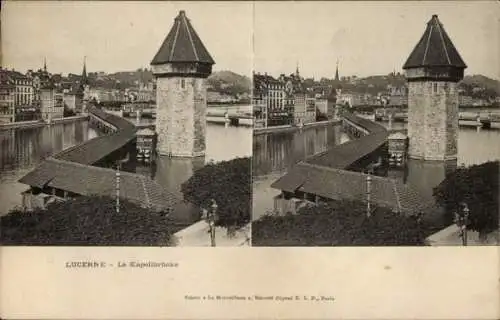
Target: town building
<point>215,97</point>
<point>277,100</point>
<point>433,70</point>
<point>259,101</point>
<point>465,100</point>
<point>7,98</point>
<point>23,92</point>
<point>147,92</point>
<point>39,79</point>
<point>52,104</point>
<point>310,115</point>
<point>181,67</point>
<point>297,99</point>
<point>398,95</point>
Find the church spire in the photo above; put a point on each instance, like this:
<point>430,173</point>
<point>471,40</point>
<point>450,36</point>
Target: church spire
<point>45,64</point>
<point>337,71</point>
<point>297,70</point>
<point>84,72</point>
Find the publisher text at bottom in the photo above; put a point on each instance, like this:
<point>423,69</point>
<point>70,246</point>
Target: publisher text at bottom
<point>276,298</point>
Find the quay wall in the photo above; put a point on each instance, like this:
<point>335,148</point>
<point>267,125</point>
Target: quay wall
<point>290,128</point>
<point>40,123</point>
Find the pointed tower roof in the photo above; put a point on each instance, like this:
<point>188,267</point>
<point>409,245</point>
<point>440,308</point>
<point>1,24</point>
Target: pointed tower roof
<point>84,71</point>
<point>182,44</point>
<point>337,71</point>
<point>434,49</point>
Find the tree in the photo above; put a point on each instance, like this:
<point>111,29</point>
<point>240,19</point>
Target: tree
<point>67,112</point>
<point>229,184</point>
<point>88,221</point>
<point>338,223</point>
<point>477,186</point>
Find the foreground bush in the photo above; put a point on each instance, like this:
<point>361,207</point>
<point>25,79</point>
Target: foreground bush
<point>229,184</point>
<point>338,224</point>
<point>88,221</point>
<point>477,186</point>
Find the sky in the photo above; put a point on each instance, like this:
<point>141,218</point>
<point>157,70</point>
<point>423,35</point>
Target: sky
<point>119,36</point>
<point>367,38</point>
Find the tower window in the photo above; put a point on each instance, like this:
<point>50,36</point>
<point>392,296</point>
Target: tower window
<point>435,87</point>
<point>183,83</point>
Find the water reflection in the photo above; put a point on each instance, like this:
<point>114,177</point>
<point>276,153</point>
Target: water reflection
<point>275,153</point>
<point>423,176</point>
<point>22,149</point>
<point>172,172</point>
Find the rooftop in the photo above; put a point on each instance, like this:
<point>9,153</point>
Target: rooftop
<point>89,180</point>
<point>95,149</point>
<point>182,44</point>
<point>339,184</point>
<point>434,49</point>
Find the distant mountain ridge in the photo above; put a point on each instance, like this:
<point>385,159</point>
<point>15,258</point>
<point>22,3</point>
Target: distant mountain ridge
<point>229,82</point>
<point>221,81</point>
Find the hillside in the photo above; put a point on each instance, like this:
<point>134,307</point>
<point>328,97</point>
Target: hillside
<point>221,81</point>
<point>490,87</point>
<point>477,86</point>
<point>229,82</point>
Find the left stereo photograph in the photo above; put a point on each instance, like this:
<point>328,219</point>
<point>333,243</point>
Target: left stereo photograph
<point>126,132</point>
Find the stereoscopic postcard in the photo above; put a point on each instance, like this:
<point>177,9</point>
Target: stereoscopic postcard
<point>249,160</point>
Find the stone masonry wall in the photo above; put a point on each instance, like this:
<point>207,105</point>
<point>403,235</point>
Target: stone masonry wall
<point>175,116</point>
<point>416,133</point>
<point>200,115</point>
<point>432,120</point>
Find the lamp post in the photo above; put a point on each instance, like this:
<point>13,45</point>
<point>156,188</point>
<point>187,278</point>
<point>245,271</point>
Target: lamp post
<point>211,221</point>
<point>462,219</point>
<point>368,195</point>
<point>118,188</point>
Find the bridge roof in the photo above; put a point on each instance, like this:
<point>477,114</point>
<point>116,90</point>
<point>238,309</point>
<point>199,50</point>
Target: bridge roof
<point>95,149</point>
<point>339,184</point>
<point>434,49</point>
<point>182,44</point>
<point>90,180</point>
<point>345,154</point>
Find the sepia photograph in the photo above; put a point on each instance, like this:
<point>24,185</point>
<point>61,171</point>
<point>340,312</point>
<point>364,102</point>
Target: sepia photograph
<point>249,159</point>
<point>377,124</point>
<point>126,123</point>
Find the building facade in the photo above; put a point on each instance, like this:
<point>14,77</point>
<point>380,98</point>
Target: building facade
<point>433,70</point>
<point>275,104</point>
<point>52,104</point>
<point>181,67</point>
<point>259,102</point>
<point>7,98</point>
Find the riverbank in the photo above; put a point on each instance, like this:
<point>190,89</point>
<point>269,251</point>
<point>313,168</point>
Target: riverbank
<point>40,123</point>
<point>290,128</point>
<point>22,125</point>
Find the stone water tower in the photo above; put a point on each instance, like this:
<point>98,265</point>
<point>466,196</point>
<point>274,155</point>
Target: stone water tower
<point>433,70</point>
<point>181,67</point>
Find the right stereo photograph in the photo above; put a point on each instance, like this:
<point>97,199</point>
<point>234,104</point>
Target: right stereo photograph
<point>376,124</point>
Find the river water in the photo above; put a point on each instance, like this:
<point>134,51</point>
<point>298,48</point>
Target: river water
<point>274,154</point>
<point>22,149</point>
